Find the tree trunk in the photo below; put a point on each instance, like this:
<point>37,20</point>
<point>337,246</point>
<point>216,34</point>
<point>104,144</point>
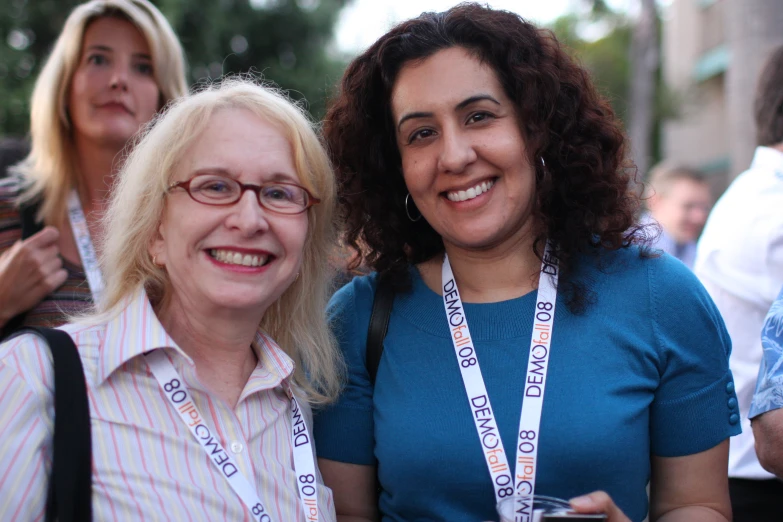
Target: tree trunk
<point>753,29</point>
<point>644,62</point>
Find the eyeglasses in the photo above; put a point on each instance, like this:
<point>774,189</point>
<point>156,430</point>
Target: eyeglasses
<point>277,196</point>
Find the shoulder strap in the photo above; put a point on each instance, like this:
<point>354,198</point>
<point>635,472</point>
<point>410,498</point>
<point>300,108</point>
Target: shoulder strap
<point>379,323</point>
<point>27,213</point>
<point>69,497</point>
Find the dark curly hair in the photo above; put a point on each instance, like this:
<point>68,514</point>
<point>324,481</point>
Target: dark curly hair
<point>583,198</point>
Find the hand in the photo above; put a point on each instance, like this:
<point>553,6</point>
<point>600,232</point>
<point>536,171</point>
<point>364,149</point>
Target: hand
<point>29,270</point>
<point>599,502</point>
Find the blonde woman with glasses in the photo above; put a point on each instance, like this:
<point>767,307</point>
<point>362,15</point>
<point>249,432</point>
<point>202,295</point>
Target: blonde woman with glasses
<point>210,343</point>
<point>113,67</point>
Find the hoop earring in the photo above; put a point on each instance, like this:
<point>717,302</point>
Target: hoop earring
<point>543,163</point>
<point>408,212</point>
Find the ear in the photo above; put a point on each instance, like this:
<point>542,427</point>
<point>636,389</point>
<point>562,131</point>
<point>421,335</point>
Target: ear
<point>157,247</point>
<point>653,200</point>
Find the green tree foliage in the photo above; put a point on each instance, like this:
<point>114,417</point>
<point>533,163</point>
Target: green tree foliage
<point>285,41</point>
<point>606,57</point>
<point>602,42</point>
<point>27,34</point>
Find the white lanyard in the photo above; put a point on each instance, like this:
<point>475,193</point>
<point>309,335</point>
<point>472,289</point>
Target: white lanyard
<point>304,464</point>
<point>522,487</point>
<point>81,233</point>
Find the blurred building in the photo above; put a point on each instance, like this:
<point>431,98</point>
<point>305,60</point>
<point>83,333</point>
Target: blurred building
<point>713,51</point>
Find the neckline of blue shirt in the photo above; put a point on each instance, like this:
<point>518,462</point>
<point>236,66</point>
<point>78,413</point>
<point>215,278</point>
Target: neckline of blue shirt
<point>487,321</point>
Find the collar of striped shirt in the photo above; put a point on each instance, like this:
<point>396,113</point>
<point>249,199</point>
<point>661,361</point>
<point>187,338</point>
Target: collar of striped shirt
<point>136,330</point>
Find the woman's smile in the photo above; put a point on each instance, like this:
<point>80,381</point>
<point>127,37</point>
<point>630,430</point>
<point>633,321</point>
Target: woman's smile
<point>464,155</point>
<point>234,257</point>
<point>471,193</point>
<point>241,255</point>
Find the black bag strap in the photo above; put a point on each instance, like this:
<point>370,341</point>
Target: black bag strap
<point>30,227</point>
<point>379,323</point>
<point>27,214</point>
<point>69,498</point>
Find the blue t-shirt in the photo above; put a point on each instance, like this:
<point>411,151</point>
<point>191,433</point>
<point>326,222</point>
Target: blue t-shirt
<point>769,387</point>
<point>643,371</point>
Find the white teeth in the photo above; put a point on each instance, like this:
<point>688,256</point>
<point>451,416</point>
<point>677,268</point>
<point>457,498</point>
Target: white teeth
<point>463,195</point>
<point>235,258</point>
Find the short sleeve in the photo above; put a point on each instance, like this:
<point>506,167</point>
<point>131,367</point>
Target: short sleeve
<point>769,387</point>
<point>344,431</point>
<point>695,406</point>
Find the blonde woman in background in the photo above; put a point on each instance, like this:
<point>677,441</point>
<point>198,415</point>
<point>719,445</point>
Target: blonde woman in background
<point>214,258</point>
<point>113,67</point>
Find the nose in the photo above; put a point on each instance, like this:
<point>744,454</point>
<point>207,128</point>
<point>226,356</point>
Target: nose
<point>119,76</point>
<point>457,151</point>
<point>247,215</point>
<point>699,215</point>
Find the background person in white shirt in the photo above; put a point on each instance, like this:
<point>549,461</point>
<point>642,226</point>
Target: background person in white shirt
<point>214,261</point>
<point>679,199</point>
<point>740,262</point>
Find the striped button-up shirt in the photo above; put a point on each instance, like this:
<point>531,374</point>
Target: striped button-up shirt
<point>146,464</point>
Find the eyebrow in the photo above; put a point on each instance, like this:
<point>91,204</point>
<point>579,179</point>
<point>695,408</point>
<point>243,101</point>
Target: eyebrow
<point>476,98</point>
<point>107,49</point>
<point>220,171</point>
<point>100,48</point>
<point>461,105</point>
<point>216,171</point>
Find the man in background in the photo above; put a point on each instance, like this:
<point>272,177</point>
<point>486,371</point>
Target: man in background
<point>679,199</point>
<point>740,262</point>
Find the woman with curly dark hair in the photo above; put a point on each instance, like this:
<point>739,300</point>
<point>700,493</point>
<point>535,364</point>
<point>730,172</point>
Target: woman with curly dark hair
<point>483,179</point>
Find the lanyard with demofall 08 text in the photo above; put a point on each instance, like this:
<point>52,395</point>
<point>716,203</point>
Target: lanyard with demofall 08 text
<point>81,234</point>
<point>522,485</point>
<point>304,464</point>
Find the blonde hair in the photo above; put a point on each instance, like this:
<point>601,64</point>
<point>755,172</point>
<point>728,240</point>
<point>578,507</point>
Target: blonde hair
<point>297,320</point>
<point>663,175</point>
<point>51,164</point>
